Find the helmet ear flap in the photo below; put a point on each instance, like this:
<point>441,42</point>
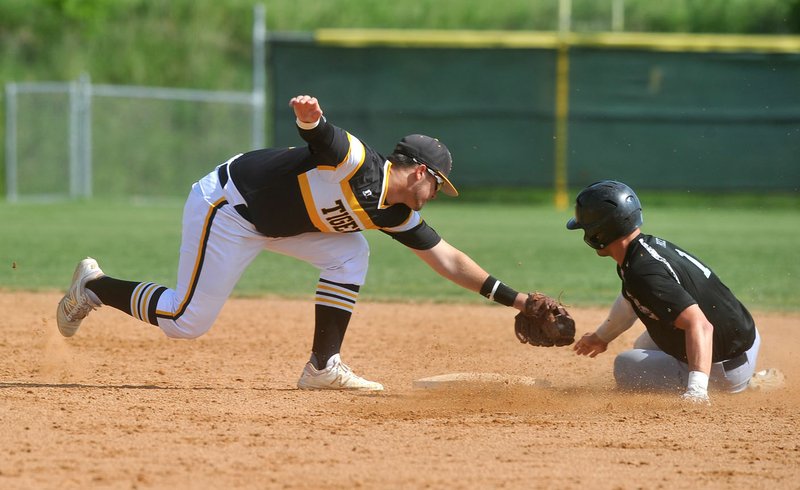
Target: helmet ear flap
<point>593,241</point>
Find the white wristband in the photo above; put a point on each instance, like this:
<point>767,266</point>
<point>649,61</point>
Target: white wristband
<point>698,382</point>
<point>305,125</point>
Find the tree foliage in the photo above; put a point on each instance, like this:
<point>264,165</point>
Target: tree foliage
<point>207,43</point>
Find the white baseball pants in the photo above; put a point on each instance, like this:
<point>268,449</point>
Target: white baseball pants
<point>646,367</point>
<point>217,244</point>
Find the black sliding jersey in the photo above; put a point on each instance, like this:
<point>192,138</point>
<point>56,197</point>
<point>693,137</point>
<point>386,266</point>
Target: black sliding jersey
<point>661,280</point>
<point>334,185</point>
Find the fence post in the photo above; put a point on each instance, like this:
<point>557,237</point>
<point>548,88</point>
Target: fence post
<point>259,74</point>
<point>11,142</point>
<point>85,132</point>
<point>562,104</point>
<point>74,140</point>
<point>564,16</point>
<point>618,15</point>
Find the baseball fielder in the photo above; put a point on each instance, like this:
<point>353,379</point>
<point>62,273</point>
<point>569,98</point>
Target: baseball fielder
<point>698,333</point>
<point>310,202</point>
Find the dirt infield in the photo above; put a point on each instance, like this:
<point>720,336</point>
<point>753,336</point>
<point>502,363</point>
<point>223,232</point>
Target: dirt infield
<point>121,406</point>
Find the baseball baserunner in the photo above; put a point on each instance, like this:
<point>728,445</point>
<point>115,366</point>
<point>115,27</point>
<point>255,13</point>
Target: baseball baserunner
<point>310,202</point>
<point>698,333</point>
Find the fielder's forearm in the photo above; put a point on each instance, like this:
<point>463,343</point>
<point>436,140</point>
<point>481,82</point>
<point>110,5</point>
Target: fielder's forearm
<point>458,267</point>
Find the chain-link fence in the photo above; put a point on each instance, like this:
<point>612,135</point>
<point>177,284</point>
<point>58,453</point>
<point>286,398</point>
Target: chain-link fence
<point>82,140</point>
<point>78,140</point>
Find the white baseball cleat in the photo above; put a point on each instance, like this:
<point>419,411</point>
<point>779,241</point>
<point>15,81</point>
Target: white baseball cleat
<point>335,376</point>
<point>78,301</point>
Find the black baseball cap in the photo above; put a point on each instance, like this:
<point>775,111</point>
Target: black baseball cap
<point>431,152</point>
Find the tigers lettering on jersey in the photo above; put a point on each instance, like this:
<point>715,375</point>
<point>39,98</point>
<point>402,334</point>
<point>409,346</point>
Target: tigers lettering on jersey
<point>339,219</point>
<point>327,196</point>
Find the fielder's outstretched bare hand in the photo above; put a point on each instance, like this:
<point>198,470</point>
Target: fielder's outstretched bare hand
<point>306,108</point>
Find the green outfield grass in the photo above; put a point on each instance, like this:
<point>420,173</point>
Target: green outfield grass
<point>754,248</point>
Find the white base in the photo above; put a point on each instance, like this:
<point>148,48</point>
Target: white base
<point>463,380</point>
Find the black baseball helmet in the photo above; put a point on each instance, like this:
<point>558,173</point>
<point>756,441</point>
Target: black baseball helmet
<point>605,211</point>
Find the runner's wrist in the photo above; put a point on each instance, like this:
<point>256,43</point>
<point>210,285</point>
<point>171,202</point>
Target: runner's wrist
<point>697,382</point>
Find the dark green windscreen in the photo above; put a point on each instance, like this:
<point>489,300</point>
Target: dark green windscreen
<point>661,120</point>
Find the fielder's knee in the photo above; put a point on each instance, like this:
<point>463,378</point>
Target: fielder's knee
<point>179,320</point>
<point>353,268</point>
<point>189,325</point>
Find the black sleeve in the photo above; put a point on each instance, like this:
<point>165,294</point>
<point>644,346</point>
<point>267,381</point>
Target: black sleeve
<point>660,293</point>
<point>421,237</point>
<point>328,143</point>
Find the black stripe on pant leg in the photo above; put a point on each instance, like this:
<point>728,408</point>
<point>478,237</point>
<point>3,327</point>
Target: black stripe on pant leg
<point>204,243</point>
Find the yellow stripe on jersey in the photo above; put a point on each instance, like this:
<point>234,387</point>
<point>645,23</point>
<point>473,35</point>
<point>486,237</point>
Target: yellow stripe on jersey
<point>387,167</point>
<point>311,207</point>
<point>347,191</point>
<point>346,158</point>
<point>361,158</point>
<point>352,141</point>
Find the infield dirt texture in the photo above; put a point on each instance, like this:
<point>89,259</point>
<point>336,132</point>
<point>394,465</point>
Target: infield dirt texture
<point>121,406</point>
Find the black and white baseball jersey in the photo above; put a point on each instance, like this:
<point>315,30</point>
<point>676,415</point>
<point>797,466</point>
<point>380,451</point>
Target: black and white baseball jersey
<point>336,184</point>
<point>660,280</point>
